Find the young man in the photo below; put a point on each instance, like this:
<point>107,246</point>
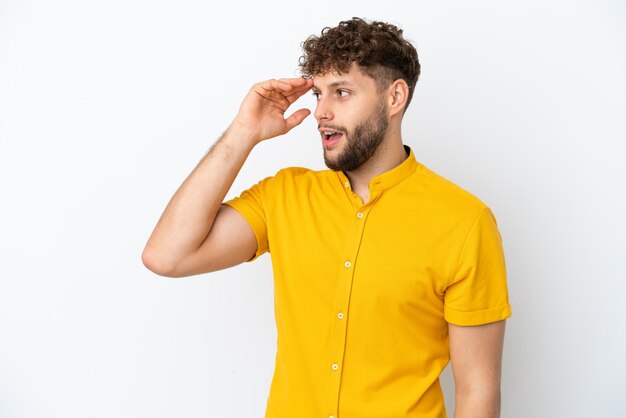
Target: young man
<point>384,271</point>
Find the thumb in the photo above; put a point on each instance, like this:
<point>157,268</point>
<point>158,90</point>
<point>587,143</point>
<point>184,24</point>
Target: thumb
<point>296,118</point>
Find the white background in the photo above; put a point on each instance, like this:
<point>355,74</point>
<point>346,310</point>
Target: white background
<point>105,108</point>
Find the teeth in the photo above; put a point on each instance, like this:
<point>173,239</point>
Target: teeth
<point>328,134</point>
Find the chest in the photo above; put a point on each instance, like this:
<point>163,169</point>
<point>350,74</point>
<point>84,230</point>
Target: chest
<point>387,249</point>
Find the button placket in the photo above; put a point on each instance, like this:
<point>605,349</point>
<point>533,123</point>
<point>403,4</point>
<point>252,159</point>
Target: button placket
<point>338,333</point>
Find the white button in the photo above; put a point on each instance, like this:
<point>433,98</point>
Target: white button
<point>347,184</point>
<point>359,215</point>
<point>335,366</point>
<point>340,315</point>
<point>347,264</point>
<point>331,416</point>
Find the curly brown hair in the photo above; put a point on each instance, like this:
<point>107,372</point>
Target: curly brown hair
<point>378,48</point>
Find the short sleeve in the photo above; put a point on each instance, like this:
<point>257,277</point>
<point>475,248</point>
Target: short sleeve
<point>250,204</point>
<point>478,293</point>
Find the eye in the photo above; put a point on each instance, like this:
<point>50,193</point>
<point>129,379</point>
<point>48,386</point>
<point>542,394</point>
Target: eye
<point>342,93</point>
<point>316,95</point>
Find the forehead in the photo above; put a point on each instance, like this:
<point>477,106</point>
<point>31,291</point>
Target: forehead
<point>351,78</point>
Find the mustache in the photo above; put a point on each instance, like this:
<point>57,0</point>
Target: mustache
<point>336,128</point>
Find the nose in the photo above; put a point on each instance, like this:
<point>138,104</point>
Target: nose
<point>323,111</point>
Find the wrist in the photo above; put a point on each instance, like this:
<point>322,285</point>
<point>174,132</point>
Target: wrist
<point>241,134</point>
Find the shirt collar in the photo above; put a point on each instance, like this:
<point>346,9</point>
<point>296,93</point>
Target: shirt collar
<point>392,177</point>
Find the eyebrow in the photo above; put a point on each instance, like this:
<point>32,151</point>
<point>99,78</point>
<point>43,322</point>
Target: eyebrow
<point>336,84</point>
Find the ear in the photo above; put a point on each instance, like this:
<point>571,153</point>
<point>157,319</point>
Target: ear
<point>398,94</point>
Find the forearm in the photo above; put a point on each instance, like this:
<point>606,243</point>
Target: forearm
<point>477,404</point>
<point>189,216</point>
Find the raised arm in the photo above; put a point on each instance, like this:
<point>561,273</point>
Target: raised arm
<point>196,233</point>
<point>476,358</point>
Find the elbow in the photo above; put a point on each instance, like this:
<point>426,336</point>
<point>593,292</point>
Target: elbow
<point>488,391</point>
<point>481,402</point>
<point>157,265</point>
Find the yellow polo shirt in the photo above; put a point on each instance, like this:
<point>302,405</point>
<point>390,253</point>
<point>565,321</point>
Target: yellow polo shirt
<point>363,293</point>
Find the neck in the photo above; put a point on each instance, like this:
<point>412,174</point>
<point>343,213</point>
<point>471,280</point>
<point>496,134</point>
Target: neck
<point>389,155</point>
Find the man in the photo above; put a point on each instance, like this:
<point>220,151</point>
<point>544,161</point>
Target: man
<point>384,271</point>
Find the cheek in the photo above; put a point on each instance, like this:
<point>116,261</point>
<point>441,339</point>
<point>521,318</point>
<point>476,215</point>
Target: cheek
<point>354,118</point>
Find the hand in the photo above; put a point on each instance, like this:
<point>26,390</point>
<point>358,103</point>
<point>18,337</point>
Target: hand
<point>262,112</point>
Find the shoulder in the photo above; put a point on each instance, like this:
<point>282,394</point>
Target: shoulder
<point>300,175</point>
<point>291,172</point>
<point>290,180</point>
<point>297,184</point>
<point>446,197</point>
<point>454,190</point>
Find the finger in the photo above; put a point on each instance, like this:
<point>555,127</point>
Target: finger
<point>284,91</point>
<point>296,118</point>
<point>295,94</point>
<point>286,84</point>
<point>282,85</point>
<point>298,92</point>
<point>273,96</point>
<point>275,90</point>
<point>299,81</point>
<point>302,86</point>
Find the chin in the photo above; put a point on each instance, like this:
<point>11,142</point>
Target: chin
<point>331,163</point>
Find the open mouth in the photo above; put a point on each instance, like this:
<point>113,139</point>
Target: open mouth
<point>330,138</point>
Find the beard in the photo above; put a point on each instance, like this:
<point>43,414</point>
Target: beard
<point>361,144</point>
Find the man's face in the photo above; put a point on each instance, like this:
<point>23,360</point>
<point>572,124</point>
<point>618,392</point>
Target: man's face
<point>352,118</point>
